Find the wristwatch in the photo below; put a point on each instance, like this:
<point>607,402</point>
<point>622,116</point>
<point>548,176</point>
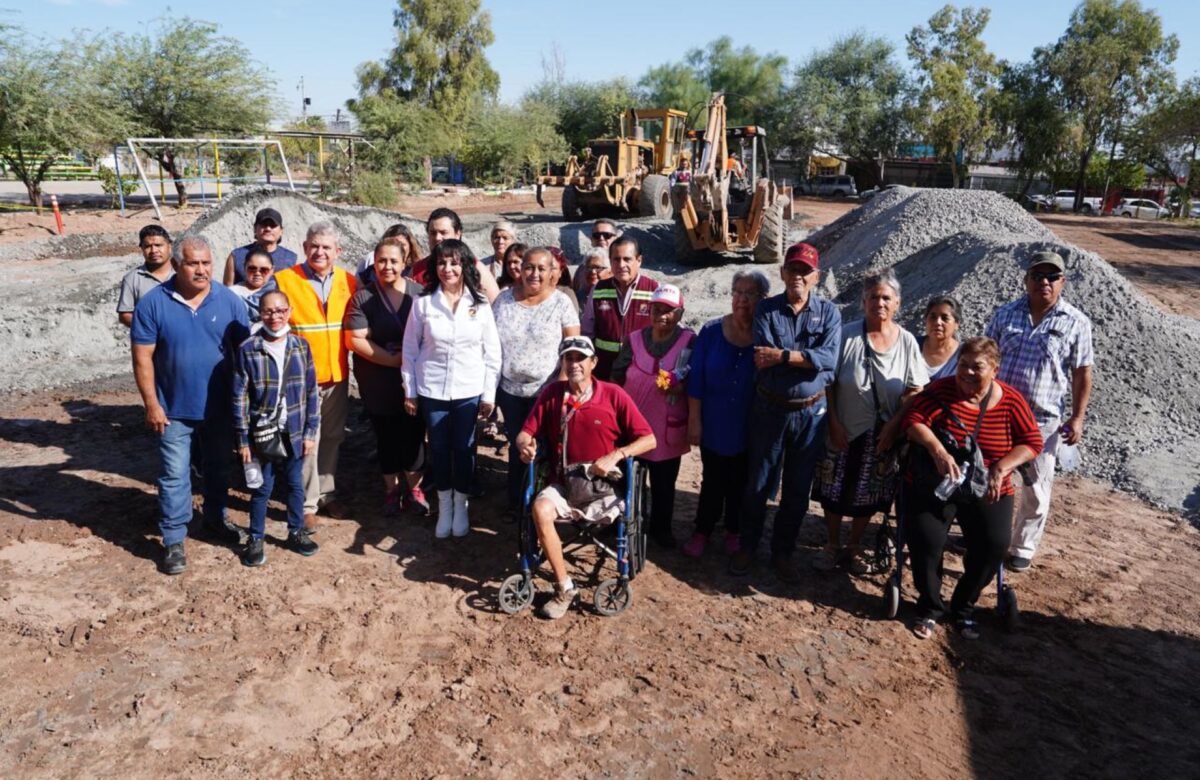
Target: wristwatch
<point>785,357</point>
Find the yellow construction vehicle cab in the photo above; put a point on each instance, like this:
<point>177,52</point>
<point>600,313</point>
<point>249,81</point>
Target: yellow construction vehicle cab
<point>627,174</point>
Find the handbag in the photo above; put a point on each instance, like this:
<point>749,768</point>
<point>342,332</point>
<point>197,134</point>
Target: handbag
<point>925,475</point>
<point>888,463</point>
<point>268,439</point>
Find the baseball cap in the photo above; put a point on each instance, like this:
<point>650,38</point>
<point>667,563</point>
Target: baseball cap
<point>580,344</point>
<point>268,215</point>
<point>667,294</point>
<point>805,254</point>
<point>1047,258</point>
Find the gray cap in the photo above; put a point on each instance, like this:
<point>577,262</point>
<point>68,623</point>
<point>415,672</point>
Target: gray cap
<point>1047,258</point>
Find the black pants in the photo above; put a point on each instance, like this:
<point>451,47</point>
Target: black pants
<point>986,530</point>
<point>722,484</point>
<point>398,440</point>
<point>663,474</point>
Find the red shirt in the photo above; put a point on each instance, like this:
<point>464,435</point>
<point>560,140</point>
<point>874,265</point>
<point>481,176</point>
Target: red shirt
<point>605,421</point>
<point>419,272</point>
<point>1006,424</point>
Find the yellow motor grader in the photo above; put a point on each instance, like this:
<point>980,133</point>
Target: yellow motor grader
<point>729,203</point>
<point>627,174</point>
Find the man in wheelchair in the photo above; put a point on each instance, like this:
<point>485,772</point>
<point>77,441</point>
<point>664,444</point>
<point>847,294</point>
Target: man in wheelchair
<point>588,427</point>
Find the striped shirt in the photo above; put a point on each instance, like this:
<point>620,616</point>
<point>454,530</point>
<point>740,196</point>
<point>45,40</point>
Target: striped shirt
<point>1007,424</point>
<point>1038,360</point>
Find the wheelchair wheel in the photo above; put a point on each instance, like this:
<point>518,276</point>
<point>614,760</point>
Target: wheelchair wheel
<point>612,597</point>
<point>891,598</point>
<point>1006,605</point>
<point>516,593</point>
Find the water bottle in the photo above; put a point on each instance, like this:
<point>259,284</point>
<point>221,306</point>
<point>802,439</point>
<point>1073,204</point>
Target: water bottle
<point>1067,454</point>
<point>949,484</point>
<point>253,474</point>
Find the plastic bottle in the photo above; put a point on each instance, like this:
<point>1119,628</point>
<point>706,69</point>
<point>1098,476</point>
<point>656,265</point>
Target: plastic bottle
<point>1067,454</point>
<point>949,484</point>
<point>254,477</point>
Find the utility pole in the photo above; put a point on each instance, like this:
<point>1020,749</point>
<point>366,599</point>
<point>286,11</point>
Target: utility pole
<point>303,100</point>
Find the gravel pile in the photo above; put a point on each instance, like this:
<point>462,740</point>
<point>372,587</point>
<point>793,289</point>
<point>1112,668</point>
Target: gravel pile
<point>1143,433</point>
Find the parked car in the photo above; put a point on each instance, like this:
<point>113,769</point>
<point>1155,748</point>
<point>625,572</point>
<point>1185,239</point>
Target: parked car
<point>1064,200</point>
<point>1027,202</point>
<point>1140,208</point>
<point>832,187</point>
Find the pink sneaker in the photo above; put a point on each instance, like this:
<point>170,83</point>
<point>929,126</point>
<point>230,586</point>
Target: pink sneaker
<point>695,546</point>
<point>733,543</point>
<point>415,502</point>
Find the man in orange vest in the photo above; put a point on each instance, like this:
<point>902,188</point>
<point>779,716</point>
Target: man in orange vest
<point>320,292</point>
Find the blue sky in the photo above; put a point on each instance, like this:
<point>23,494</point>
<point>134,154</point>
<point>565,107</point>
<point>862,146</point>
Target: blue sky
<point>323,42</point>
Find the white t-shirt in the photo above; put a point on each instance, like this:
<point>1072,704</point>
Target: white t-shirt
<point>900,368</point>
<point>529,339</point>
<point>278,352</point>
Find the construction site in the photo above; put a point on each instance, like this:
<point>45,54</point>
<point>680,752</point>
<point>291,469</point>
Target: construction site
<point>387,654</point>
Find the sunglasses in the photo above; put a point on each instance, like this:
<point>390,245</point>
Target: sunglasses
<point>253,270</point>
<point>596,269</point>
<point>1041,276</point>
<point>601,236</point>
<point>274,312</point>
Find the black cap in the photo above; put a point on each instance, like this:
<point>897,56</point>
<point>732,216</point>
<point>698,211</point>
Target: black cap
<point>268,215</point>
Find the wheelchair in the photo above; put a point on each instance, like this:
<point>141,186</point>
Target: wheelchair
<point>623,542</point>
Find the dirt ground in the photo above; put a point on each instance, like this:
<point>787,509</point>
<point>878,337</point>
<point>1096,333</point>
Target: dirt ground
<point>386,655</point>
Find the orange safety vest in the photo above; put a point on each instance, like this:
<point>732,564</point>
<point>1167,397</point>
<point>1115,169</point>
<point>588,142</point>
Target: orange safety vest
<point>321,326</point>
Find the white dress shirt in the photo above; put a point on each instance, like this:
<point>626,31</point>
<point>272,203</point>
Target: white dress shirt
<point>450,354</point>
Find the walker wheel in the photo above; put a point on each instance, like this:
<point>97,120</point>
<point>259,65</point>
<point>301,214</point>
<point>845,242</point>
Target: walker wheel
<point>891,598</point>
<point>1006,603</point>
<point>516,593</point>
<point>613,597</point>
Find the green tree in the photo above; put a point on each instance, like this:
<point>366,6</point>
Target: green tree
<point>582,110</point>
<point>504,143</point>
<point>957,77</point>
<point>50,106</point>
<point>752,83</point>
<point>847,102</point>
<point>1109,64</point>
<point>185,80</point>
<point>1167,139</point>
<point>435,78</point>
<point>1030,118</point>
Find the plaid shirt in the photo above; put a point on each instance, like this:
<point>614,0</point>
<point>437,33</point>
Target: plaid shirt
<point>1038,360</point>
<point>256,390</point>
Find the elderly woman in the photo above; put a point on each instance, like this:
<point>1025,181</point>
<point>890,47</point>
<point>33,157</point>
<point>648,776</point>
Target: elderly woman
<point>939,345</point>
<point>971,403</point>
<point>260,272</point>
<point>879,370</point>
<point>653,366</point>
<point>503,235</point>
<point>720,388</point>
<point>532,319</point>
<point>509,272</point>
<point>451,356</point>
<point>374,331</point>
<point>593,268</point>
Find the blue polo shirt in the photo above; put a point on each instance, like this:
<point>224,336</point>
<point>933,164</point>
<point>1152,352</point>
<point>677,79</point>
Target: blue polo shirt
<point>193,350</point>
<point>281,258</point>
<point>816,330</point>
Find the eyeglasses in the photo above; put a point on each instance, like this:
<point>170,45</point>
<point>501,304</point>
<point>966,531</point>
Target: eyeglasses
<point>253,270</point>
<point>596,269</point>
<point>274,312</point>
<point>746,294</point>
<point>602,236</point>
<point>1041,276</point>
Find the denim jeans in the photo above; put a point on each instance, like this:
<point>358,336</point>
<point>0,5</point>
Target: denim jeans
<point>515,409</point>
<point>292,471</point>
<point>780,443</point>
<point>451,426</point>
<point>175,479</point>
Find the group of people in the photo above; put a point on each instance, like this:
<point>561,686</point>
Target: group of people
<point>779,395</point>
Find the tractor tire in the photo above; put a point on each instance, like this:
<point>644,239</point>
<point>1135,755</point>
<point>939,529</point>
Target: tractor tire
<point>687,255</point>
<point>769,249</point>
<point>655,198</point>
<point>571,208</point>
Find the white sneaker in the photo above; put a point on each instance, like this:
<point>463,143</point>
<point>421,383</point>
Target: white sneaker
<point>462,524</point>
<point>445,513</point>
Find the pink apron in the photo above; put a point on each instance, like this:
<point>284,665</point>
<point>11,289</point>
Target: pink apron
<point>667,415</point>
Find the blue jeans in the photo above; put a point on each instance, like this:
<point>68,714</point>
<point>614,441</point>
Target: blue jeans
<point>451,426</point>
<point>787,443</point>
<point>515,409</point>
<point>292,471</point>
<point>175,479</point>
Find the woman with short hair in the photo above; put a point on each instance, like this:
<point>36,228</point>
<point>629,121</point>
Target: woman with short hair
<point>998,419</point>
<point>593,268</point>
<point>503,235</point>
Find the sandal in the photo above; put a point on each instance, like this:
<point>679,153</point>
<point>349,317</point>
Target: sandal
<point>968,629</point>
<point>857,562</point>
<point>923,629</point>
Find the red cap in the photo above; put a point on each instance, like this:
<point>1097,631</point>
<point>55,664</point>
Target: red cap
<point>802,253</point>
